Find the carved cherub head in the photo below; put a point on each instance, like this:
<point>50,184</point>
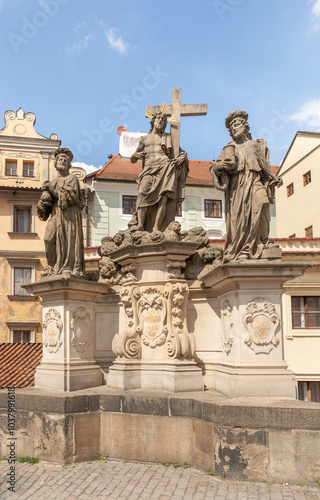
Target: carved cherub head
<point>107,268</point>
<point>173,231</point>
<point>107,246</point>
<point>118,239</point>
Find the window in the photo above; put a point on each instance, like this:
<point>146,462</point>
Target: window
<point>11,167</point>
<point>213,208</point>
<point>28,169</point>
<point>22,333</point>
<point>21,336</point>
<point>290,189</point>
<point>22,219</point>
<point>179,210</point>
<point>308,232</point>
<point>307,178</point>
<point>129,204</point>
<point>305,312</point>
<point>309,391</point>
<point>22,276</point>
<point>292,235</point>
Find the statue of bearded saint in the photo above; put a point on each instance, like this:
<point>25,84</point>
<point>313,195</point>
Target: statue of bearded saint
<point>162,180</point>
<point>61,204</point>
<point>243,172</point>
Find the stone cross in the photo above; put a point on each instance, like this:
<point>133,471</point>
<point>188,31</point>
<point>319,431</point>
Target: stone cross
<point>177,110</point>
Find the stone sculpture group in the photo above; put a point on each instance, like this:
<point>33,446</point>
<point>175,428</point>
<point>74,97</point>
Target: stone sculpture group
<point>242,171</point>
<point>170,310</point>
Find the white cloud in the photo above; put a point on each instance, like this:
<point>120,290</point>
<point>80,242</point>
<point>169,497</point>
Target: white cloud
<point>315,11</point>
<point>87,168</point>
<point>115,42</point>
<point>316,8</point>
<point>80,44</point>
<point>308,115</point>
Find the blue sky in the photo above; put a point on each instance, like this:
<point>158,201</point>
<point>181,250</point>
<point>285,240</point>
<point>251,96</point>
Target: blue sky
<point>85,67</point>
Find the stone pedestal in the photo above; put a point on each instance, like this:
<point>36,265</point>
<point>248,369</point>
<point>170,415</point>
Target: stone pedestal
<point>252,362</point>
<point>68,333</point>
<point>155,349</point>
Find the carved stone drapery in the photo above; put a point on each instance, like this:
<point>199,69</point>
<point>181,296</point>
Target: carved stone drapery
<point>155,315</point>
<point>52,329</point>
<point>81,329</point>
<point>261,321</point>
<point>227,326</point>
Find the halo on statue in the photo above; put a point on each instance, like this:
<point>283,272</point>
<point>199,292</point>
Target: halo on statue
<point>163,107</point>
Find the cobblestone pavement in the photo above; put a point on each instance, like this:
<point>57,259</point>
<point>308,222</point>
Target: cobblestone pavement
<point>116,479</point>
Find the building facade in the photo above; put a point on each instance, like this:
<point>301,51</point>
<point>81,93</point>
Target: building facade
<point>26,161</point>
<point>297,199</point>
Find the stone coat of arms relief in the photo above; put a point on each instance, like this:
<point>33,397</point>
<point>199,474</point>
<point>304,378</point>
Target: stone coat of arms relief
<point>52,329</point>
<point>261,321</point>
<point>155,315</point>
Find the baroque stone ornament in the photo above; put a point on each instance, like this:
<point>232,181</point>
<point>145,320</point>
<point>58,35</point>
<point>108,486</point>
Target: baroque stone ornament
<point>155,316</point>
<point>174,269</point>
<point>227,326</point>
<point>261,321</point>
<point>180,343</point>
<point>52,329</point>
<point>129,271</point>
<point>81,329</point>
<point>152,315</point>
<point>128,343</point>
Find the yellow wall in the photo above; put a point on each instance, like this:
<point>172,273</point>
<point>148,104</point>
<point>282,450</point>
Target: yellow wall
<point>17,310</point>
<point>302,345</point>
<point>300,210</point>
<point>20,142</point>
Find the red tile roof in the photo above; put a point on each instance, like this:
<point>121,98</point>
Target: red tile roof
<point>119,168</point>
<point>122,169</point>
<point>18,363</point>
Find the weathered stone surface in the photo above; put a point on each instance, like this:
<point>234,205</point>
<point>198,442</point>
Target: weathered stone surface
<point>211,412</point>
<point>161,182</point>
<point>145,405</point>
<point>63,201</point>
<point>295,454</point>
<point>86,436</point>
<point>204,445</point>
<point>243,416</point>
<point>243,172</point>
<point>241,454</point>
<point>185,407</point>
<point>121,436</point>
<point>169,439</point>
<point>110,402</point>
<point>238,440</point>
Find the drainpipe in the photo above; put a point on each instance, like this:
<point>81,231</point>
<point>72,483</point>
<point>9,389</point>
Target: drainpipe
<point>87,193</point>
